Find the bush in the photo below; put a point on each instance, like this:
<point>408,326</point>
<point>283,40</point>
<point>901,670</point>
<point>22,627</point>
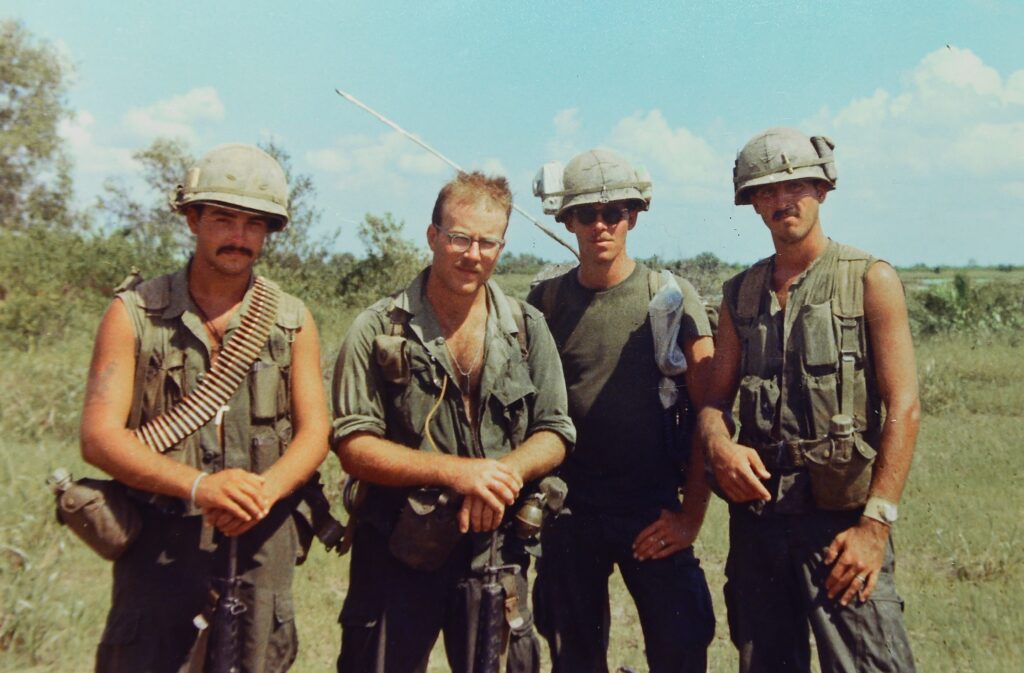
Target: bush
<point>965,307</point>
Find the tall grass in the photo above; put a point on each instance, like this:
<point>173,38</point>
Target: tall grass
<point>960,540</point>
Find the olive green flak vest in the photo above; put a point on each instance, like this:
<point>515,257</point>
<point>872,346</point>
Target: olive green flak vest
<point>173,356</point>
<point>801,366</point>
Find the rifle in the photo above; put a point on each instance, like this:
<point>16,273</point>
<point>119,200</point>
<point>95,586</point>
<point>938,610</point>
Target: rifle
<point>492,630</point>
<point>218,648</point>
<point>224,654</point>
<point>498,593</point>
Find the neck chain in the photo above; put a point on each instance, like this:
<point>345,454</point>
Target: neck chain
<point>467,371</point>
<point>210,328</point>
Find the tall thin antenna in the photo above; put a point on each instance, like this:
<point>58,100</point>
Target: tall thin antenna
<point>358,103</point>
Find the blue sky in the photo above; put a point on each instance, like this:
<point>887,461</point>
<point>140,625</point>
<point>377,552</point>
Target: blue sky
<point>924,100</point>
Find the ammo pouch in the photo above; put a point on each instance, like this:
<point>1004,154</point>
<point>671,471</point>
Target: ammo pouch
<point>840,469</point>
<point>427,529</point>
<point>101,513</point>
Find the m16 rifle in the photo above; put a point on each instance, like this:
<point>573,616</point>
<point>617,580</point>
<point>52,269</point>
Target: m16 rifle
<point>499,612</point>
<point>218,648</point>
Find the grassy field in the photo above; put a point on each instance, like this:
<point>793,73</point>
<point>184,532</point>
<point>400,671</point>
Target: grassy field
<point>960,540</point>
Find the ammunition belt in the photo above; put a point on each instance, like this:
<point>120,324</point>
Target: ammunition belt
<point>223,379</point>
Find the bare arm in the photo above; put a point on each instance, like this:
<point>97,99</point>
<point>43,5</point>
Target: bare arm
<point>371,458</point>
<point>107,443</point>
<point>860,551</point>
<point>738,469</point>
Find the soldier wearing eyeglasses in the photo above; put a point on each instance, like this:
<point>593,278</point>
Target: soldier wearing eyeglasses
<point>624,475</point>
<point>448,396</point>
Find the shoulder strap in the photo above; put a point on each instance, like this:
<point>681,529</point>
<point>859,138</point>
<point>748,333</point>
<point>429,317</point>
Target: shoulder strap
<point>516,308</point>
<point>549,295</point>
<point>244,346</point>
<point>748,299</point>
<point>848,307</point>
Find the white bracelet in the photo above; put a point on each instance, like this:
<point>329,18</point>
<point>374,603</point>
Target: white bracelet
<point>195,487</point>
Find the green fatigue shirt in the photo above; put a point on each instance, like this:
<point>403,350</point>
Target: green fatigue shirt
<point>517,397</point>
<point>161,582</point>
<point>802,365</point>
<point>621,463</point>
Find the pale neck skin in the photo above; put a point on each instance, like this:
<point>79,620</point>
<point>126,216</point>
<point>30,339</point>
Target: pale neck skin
<point>596,275</point>
<point>453,310</point>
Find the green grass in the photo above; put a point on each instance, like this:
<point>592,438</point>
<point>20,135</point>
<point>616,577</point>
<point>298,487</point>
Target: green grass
<point>960,539</point>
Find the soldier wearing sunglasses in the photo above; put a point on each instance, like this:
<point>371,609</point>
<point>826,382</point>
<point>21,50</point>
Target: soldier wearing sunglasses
<point>624,474</point>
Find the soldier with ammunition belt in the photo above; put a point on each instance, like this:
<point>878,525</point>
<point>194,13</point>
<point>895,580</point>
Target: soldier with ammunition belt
<point>448,399</point>
<point>171,353</point>
<point>816,341</point>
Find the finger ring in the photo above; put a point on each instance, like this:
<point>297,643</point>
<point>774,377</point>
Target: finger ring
<point>662,543</point>
<point>863,579</point>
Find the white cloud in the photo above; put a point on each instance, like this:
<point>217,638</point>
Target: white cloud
<point>955,116</point>
<point>387,162</point>
<point>563,145</point>
<point>89,156</point>
<point>567,121</point>
<point>175,117</point>
<point>682,164</point>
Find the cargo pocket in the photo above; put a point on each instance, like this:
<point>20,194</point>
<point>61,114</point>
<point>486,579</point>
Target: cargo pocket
<point>513,398</point>
<point>265,390</point>
<point>165,383</point>
<point>822,401</point>
<point>840,472</point>
<point>817,338</point>
<point>758,400</point>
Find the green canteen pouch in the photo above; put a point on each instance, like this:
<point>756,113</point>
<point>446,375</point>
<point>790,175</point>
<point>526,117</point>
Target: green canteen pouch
<point>840,471</point>
<point>427,529</point>
<point>100,512</point>
<point>392,358</point>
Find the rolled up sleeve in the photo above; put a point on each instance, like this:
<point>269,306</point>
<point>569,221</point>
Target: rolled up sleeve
<point>357,387</point>
<point>551,406</point>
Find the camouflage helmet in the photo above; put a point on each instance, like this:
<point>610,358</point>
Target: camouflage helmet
<point>596,176</point>
<point>238,176</point>
<point>781,154</point>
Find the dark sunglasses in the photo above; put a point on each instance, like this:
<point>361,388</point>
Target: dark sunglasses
<point>610,215</point>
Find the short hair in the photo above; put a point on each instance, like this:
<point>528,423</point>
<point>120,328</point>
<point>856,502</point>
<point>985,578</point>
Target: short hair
<point>471,188</point>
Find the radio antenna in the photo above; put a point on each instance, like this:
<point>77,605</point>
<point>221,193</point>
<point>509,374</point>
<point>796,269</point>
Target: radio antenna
<point>360,104</point>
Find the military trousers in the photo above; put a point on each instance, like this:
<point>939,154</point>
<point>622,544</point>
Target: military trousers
<point>162,582</point>
<point>775,595</point>
<point>393,614</point>
<point>571,599</point>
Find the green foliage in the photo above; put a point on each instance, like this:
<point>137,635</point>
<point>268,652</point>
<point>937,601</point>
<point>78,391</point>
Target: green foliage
<point>705,271</point>
<point>391,262</point>
<point>151,223</point>
<point>35,180</point>
<point>523,262</point>
<point>963,305</point>
<point>55,282</point>
<point>296,243</point>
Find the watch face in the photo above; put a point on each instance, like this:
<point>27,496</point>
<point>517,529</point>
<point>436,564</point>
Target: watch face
<point>889,513</point>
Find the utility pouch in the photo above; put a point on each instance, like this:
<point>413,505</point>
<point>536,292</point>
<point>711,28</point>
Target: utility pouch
<point>427,529</point>
<point>840,469</point>
<point>392,357</point>
<point>101,513</point>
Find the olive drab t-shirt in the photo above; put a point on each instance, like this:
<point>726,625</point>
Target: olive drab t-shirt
<point>607,350</point>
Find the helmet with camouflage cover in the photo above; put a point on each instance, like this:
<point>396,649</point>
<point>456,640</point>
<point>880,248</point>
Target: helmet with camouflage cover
<point>238,176</point>
<point>781,154</point>
<point>596,176</point>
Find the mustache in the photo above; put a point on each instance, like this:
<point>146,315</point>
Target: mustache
<point>234,248</point>
<point>784,212</point>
